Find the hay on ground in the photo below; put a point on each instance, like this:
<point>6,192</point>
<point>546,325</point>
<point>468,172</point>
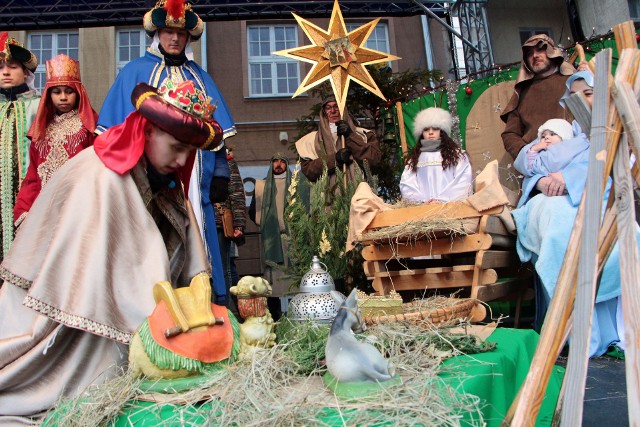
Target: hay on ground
<point>283,386</point>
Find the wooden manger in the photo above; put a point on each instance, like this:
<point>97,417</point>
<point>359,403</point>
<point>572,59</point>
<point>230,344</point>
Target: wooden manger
<point>481,258</point>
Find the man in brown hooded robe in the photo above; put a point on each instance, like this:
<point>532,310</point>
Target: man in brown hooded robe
<point>338,142</point>
<point>539,87</point>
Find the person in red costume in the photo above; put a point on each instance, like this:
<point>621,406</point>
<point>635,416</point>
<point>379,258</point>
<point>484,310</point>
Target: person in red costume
<point>63,126</point>
<point>111,223</point>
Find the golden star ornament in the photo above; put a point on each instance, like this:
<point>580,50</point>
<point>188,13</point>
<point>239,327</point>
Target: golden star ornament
<point>338,56</point>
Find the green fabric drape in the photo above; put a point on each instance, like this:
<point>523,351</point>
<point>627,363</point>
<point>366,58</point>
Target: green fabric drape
<point>270,227</point>
<point>494,377</point>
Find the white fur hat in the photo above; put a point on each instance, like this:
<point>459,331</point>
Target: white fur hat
<point>560,127</point>
<point>432,117</point>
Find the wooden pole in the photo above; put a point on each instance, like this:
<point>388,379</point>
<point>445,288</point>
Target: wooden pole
<point>625,99</point>
<point>403,134</point>
<point>345,169</point>
<point>576,374</point>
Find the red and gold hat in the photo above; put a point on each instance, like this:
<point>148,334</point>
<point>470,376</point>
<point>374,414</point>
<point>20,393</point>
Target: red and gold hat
<point>181,110</point>
<point>173,14</point>
<point>62,69</point>
<point>12,49</point>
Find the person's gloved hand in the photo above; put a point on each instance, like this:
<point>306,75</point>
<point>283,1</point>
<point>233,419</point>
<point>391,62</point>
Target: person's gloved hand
<point>343,157</point>
<point>342,128</point>
<point>219,190</point>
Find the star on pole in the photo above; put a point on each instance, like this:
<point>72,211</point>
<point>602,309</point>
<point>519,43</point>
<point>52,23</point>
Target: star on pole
<point>338,56</point>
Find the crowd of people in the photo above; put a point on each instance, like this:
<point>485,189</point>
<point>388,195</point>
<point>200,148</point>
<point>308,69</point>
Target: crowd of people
<point>96,209</point>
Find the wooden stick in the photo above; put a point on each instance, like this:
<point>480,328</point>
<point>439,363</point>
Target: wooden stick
<point>629,261</point>
<point>403,133</point>
<point>344,166</point>
<point>625,35</point>
<point>581,110</point>
<point>627,104</point>
<point>585,296</point>
<point>578,53</point>
<point>576,374</point>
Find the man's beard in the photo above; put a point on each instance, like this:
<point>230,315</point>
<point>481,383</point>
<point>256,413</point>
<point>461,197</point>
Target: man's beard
<point>542,67</point>
<point>278,171</point>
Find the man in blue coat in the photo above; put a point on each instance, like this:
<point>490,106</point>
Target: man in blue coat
<point>173,25</point>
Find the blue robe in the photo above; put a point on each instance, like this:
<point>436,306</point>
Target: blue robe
<point>117,105</point>
<point>571,157</point>
<point>544,225</point>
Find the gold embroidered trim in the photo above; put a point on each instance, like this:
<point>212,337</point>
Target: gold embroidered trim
<point>20,219</point>
<point>143,98</point>
<point>18,281</point>
<point>73,321</point>
<point>212,134</point>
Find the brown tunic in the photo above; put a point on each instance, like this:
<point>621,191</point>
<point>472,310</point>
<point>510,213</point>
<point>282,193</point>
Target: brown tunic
<point>362,143</point>
<point>538,102</point>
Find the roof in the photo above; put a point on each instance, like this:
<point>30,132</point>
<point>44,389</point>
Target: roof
<point>58,14</point>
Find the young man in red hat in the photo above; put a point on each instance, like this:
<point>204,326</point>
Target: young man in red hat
<point>112,222</point>
<point>18,106</point>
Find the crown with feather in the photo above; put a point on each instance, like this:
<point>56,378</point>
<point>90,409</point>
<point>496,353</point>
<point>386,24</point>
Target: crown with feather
<point>12,49</point>
<point>173,14</point>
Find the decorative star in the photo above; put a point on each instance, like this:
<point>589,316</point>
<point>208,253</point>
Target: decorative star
<point>497,108</point>
<point>337,56</point>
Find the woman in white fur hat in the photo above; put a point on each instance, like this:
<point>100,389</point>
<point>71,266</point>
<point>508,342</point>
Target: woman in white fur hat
<point>437,169</point>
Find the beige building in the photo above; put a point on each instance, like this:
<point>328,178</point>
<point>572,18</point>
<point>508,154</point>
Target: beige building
<point>257,85</point>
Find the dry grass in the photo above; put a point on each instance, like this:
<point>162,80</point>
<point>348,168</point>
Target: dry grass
<point>269,390</point>
<point>417,230</point>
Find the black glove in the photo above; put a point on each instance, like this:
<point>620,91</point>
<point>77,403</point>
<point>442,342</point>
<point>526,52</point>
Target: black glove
<point>219,190</point>
<point>343,129</point>
<point>343,157</point>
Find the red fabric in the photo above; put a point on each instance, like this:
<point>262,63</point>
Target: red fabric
<point>32,184</point>
<point>46,110</point>
<point>212,344</point>
<point>121,146</point>
<point>175,8</point>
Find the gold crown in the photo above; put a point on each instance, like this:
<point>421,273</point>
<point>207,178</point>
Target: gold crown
<point>62,68</point>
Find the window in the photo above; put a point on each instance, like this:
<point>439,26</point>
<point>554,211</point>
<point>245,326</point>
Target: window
<point>378,39</point>
<point>272,75</point>
<point>47,45</point>
<point>130,44</point>
<point>525,33</point>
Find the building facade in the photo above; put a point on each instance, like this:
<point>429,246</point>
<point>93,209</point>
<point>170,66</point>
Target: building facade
<point>257,85</point>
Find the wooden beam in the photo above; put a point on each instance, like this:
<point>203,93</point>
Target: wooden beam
<point>470,243</point>
<point>419,271</point>
<point>581,110</point>
<point>401,129</point>
<point>500,289</point>
<point>452,279</point>
<point>577,363</point>
<point>496,259</point>
<point>629,261</point>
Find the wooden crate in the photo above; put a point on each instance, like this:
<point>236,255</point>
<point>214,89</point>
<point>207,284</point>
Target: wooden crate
<point>484,261</point>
